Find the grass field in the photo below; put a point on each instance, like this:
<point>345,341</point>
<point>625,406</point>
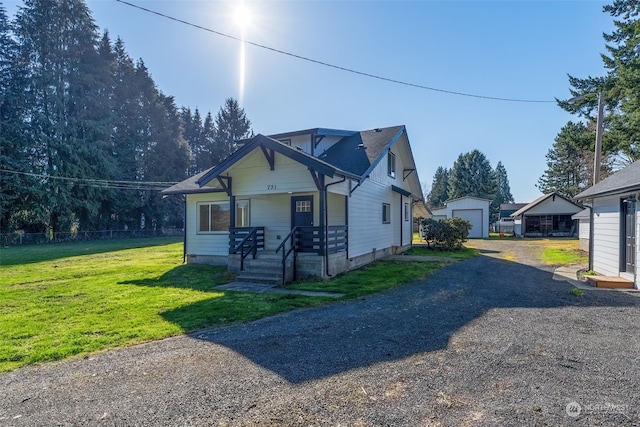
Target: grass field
<point>64,300</point>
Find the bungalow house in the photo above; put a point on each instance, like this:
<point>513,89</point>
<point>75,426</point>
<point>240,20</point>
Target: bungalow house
<point>312,202</point>
<point>547,216</point>
<point>614,224</point>
<point>473,209</point>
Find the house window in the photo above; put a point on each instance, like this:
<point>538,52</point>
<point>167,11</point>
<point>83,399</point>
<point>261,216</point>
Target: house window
<point>303,206</point>
<point>242,213</point>
<point>407,212</point>
<point>286,141</point>
<point>391,164</point>
<point>386,213</point>
<point>213,216</point>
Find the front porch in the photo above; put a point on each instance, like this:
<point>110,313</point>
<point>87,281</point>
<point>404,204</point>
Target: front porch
<point>305,251</point>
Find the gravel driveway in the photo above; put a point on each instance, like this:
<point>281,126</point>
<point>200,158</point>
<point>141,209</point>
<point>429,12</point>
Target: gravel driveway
<point>489,341</point>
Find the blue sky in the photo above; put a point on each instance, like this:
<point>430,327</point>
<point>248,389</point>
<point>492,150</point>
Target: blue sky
<point>506,49</point>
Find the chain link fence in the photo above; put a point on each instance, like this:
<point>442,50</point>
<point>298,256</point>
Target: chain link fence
<point>21,238</point>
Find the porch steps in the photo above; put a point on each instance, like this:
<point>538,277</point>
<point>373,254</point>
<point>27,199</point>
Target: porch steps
<point>266,269</point>
<point>609,282</point>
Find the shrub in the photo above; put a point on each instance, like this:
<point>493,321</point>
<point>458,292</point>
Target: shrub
<point>448,234</point>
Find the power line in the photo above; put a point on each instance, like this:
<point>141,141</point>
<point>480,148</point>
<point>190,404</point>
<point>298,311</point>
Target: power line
<point>326,64</point>
<point>99,183</point>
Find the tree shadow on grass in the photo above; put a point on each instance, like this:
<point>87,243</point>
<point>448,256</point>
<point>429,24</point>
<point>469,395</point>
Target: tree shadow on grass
<point>199,277</point>
<point>305,345</point>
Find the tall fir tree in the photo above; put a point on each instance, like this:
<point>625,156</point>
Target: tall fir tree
<point>471,175</point>
<point>58,39</point>
<point>231,125</point>
<point>439,188</point>
<point>503,195</point>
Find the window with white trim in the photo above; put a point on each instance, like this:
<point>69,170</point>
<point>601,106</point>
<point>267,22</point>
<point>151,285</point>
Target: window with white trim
<point>386,213</point>
<point>213,216</point>
<point>391,164</point>
<point>407,212</point>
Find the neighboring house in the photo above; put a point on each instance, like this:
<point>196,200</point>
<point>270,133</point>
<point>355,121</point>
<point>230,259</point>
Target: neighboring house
<point>473,209</point>
<point>583,218</point>
<point>615,224</point>
<point>324,200</point>
<point>547,216</point>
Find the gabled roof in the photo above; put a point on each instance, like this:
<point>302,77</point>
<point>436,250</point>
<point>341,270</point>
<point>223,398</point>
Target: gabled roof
<point>540,200</point>
<point>362,152</point>
<point>583,214</point>
<point>626,179</point>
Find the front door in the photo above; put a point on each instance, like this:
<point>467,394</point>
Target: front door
<point>629,207</point>
<point>301,211</point>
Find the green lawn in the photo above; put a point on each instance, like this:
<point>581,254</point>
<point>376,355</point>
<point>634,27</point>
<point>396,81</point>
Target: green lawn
<point>376,277</point>
<point>64,300</point>
<point>463,253</point>
<point>563,252</point>
<point>58,303</point>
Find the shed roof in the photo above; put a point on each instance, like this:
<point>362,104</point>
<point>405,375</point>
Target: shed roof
<point>626,179</point>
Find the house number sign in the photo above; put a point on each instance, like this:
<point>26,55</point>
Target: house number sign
<point>271,187</point>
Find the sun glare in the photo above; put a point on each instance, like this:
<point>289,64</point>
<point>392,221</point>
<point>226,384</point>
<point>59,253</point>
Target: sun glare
<point>243,18</point>
<point>243,15</point>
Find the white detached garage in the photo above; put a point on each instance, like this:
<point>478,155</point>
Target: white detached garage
<point>473,209</point>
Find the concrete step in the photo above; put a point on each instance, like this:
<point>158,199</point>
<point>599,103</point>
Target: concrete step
<point>251,276</point>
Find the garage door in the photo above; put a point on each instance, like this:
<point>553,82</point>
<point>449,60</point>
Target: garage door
<point>474,216</point>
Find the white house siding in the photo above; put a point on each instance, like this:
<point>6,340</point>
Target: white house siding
<point>366,230</point>
<point>208,244</point>
<point>252,175</point>
<point>336,209</point>
<point>606,250</point>
<point>583,234</point>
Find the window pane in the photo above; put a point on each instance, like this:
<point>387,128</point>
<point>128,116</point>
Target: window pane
<point>303,206</point>
<point>204,218</point>
<point>386,213</point>
<point>220,217</point>
<point>242,213</point>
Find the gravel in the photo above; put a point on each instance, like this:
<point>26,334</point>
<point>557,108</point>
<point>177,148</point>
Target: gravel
<point>489,341</point>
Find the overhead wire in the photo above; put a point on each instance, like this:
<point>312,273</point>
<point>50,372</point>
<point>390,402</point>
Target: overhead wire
<point>99,183</point>
<point>327,64</point>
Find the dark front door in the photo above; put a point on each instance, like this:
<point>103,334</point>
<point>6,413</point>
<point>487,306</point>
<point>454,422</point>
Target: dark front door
<point>301,211</point>
<point>629,207</point>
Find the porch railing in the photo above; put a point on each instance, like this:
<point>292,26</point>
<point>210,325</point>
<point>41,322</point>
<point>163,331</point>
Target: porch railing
<point>337,238</point>
<point>310,240</point>
<point>246,241</point>
<point>286,252</point>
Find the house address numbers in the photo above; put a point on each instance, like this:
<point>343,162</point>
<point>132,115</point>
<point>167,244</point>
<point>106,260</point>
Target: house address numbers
<point>271,187</point>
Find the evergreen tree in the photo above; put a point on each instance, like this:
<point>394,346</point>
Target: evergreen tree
<point>503,194</point>
<point>621,84</point>
<point>231,125</point>
<point>57,40</point>
<point>471,175</point>
<point>439,189</point>
<point>15,188</point>
<point>570,161</point>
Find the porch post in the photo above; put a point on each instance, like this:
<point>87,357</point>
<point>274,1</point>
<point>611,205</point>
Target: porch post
<point>232,211</point>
